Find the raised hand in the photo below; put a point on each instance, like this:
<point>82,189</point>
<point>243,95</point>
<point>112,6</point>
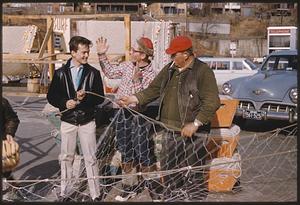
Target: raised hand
<point>102,45</point>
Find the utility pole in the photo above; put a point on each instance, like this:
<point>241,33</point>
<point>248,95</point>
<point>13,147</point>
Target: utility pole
<point>186,19</point>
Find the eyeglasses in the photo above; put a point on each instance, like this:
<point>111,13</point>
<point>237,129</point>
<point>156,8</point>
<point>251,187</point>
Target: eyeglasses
<point>135,51</point>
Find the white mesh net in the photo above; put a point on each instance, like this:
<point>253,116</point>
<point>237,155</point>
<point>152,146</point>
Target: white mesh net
<point>225,165</point>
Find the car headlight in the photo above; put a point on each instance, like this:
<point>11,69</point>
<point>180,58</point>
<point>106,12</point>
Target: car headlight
<point>226,89</point>
<point>294,95</point>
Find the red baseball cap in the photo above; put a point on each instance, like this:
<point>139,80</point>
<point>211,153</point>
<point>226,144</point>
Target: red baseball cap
<point>145,45</point>
<point>178,44</point>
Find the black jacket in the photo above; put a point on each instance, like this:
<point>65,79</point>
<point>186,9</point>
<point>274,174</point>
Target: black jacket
<point>9,120</point>
<point>62,89</point>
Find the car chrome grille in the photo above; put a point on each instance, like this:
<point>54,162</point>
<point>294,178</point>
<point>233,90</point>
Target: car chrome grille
<point>246,105</point>
<point>275,108</point>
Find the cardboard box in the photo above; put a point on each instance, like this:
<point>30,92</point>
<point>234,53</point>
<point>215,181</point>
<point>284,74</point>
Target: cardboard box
<point>224,173</point>
<point>222,142</point>
<point>225,114</point>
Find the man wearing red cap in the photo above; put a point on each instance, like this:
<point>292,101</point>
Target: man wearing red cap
<point>189,98</point>
<point>135,76</point>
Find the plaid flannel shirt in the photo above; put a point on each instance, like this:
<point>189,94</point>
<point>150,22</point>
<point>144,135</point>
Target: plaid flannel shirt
<point>125,71</point>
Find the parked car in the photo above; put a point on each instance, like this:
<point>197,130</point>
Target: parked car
<point>271,93</point>
<point>229,68</point>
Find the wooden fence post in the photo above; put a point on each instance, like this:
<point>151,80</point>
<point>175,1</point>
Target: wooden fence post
<point>127,24</point>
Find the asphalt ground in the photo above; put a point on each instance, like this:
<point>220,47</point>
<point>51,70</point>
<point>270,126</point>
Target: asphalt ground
<point>268,179</point>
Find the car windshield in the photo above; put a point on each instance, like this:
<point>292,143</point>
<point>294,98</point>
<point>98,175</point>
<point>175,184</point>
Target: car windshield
<point>280,63</point>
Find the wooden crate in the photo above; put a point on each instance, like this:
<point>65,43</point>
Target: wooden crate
<point>225,114</point>
<point>222,142</point>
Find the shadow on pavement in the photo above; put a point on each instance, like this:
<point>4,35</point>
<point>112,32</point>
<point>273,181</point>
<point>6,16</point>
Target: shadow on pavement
<point>47,170</point>
<point>261,126</point>
<point>33,147</point>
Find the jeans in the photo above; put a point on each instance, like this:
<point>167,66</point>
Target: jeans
<point>134,140</point>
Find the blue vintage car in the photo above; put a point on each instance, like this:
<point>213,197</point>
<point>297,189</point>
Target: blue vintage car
<point>271,93</point>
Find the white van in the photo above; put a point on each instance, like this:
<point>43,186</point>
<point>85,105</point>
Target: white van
<point>229,68</point>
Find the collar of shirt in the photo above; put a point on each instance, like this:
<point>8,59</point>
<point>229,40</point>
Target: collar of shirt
<point>75,74</point>
<point>73,66</point>
<point>142,68</point>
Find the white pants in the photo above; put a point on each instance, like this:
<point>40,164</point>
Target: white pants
<point>87,137</point>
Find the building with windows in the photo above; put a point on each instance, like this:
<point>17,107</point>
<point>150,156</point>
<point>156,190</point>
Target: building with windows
<point>281,38</point>
<point>133,8</point>
<point>38,8</point>
<point>232,7</point>
<point>167,9</point>
<point>217,8</point>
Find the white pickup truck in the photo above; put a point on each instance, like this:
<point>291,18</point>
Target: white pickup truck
<point>229,68</point>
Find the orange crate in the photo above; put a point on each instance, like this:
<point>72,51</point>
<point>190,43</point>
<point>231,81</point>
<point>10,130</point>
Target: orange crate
<point>222,142</point>
<point>222,180</point>
<point>222,177</point>
<point>225,114</point>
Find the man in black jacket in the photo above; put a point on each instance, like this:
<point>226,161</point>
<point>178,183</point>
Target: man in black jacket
<point>67,92</point>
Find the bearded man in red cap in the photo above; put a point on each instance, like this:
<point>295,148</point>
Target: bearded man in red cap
<point>135,76</point>
<point>189,98</point>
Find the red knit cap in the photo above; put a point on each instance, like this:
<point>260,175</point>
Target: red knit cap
<point>178,44</point>
<point>145,45</point>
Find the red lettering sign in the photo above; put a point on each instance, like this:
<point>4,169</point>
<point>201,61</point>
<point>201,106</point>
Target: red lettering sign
<point>280,31</point>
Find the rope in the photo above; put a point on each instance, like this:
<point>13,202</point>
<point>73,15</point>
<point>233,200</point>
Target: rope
<point>165,172</point>
<point>166,126</point>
